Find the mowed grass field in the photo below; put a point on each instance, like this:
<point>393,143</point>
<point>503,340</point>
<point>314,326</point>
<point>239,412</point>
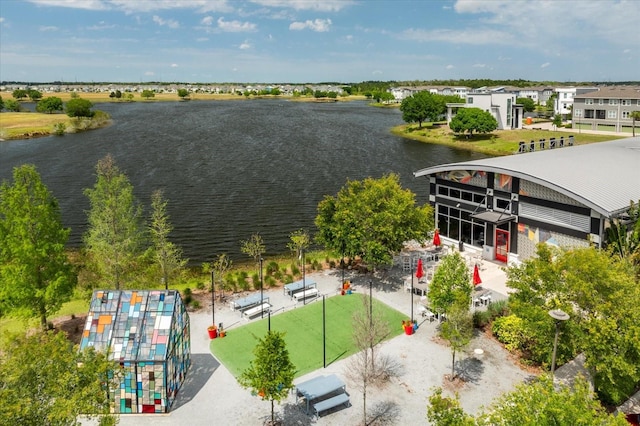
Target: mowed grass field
<point>17,124</point>
<point>303,333</point>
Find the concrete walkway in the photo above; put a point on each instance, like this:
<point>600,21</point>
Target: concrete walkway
<point>211,395</point>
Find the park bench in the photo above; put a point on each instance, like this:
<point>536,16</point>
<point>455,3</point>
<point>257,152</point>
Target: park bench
<point>306,294</point>
<point>252,312</point>
<point>330,403</point>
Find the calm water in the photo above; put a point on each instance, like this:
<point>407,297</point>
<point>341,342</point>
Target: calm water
<point>230,169</point>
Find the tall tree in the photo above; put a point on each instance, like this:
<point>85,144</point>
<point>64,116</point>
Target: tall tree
<point>299,240</point>
<point>115,235</point>
<point>635,116</point>
<point>45,380</point>
<point>473,120</point>
<point>168,256</point>
<point>78,107</point>
<point>253,247</point>
<point>35,274</point>
<point>458,331</point>
<point>527,103</point>
<point>372,219</point>
<point>451,286</point>
<point>423,106</point>
<point>270,374</point>
<point>34,95</point>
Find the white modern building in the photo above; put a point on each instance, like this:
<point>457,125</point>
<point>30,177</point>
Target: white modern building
<point>502,106</point>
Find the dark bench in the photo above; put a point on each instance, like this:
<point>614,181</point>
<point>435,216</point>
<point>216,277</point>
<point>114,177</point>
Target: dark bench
<point>330,403</point>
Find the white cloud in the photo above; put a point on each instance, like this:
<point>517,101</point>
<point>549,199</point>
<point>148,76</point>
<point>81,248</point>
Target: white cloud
<point>174,65</point>
<point>449,67</point>
<point>169,22</point>
<point>149,73</point>
<point>207,20</point>
<point>479,65</point>
<point>101,26</point>
<point>316,5</point>
<point>1,19</point>
<point>318,25</point>
<point>48,28</point>
<point>376,72</point>
<point>245,45</point>
<point>624,51</point>
<point>235,26</point>
<point>74,4</point>
<point>545,65</point>
<point>463,36</point>
<point>201,39</point>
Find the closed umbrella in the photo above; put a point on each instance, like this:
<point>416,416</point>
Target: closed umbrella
<point>476,275</point>
<point>419,271</point>
<point>436,239</point>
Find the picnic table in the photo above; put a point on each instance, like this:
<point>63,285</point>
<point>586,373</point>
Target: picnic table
<point>290,289</point>
<point>247,302</point>
<point>318,387</point>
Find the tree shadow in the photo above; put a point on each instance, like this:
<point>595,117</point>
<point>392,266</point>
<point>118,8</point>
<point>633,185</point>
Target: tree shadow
<point>476,137</point>
<point>470,369</point>
<point>383,413</point>
<point>294,414</point>
<point>202,367</point>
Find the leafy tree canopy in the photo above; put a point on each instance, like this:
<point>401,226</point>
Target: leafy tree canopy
<point>45,380</point>
<point>34,95</point>
<point>183,93</point>
<point>473,120</point>
<point>35,275</point>
<point>147,94</point>
<point>19,93</point>
<point>49,105</point>
<point>600,293</point>
<point>372,219</point>
<point>12,105</point>
<point>78,107</point>
<point>270,374</point>
<point>423,106</point>
<point>451,286</point>
<point>539,403</point>
<point>527,103</point>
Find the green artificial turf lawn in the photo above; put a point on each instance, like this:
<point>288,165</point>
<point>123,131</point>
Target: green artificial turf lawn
<point>303,328</point>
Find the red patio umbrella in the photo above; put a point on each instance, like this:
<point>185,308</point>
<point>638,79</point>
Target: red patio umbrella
<point>476,275</point>
<point>436,238</point>
<point>419,271</point>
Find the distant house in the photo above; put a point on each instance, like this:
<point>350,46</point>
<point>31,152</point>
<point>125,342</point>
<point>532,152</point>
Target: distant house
<point>607,109</point>
<point>564,101</point>
<point>502,106</point>
<point>146,332</point>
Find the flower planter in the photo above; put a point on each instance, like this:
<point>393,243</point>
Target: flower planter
<point>213,333</point>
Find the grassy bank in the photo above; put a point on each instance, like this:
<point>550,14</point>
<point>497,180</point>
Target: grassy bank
<point>26,125</point>
<point>500,142</point>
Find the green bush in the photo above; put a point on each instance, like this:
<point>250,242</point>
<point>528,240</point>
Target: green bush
<point>332,264</point>
<point>195,304</point>
<point>287,279</point>
<point>255,278</point>
<point>498,309</point>
<point>272,267</point>
<point>270,281</point>
<point>295,271</point>
<point>316,265</point>
<point>187,291</point>
<point>277,275</point>
<point>510,331</point>
<point>200,285</point>
<point>481,319</point>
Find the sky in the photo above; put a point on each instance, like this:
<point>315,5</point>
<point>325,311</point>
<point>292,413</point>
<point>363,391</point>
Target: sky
<point>312,41</point>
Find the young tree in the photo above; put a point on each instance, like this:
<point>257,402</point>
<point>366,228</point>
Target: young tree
<point>19,94</point>
<point>635,116</point>
<point>34,95</point>
<point>115,235</point>
<point>369,330</point>
<point>1,104</point>
<point>299,240</point>
<point>445,411</point>
<point>557,121</point>
<point>372,219</point>
<point>148,94</point>
<point>78,107</point>
<point>451,287</point>
<point>458,331</point>
<point>270,374</point>
<point>422,106</point>
<point>12,105</point>
<point>253,247</point>
<point>168,256</point>
<point>473,120</point>
<point>183,93</point>
<point>49,105</point>
<point>36,277</point>
<point>220,266</point>
<point>45,380</point>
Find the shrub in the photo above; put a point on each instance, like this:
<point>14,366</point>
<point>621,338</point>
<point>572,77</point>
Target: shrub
<point>255,278</point>
<point>332,264</point>
<point>187,299</point>
<point>277,275</point>
<point>510,331</point>
<point>200,285</point>
<point>295,270</point>
<point>59,129</point>
<point>498,309</point>
<point>270,281</point>
<point>187,291</point>
<point>481,319</point>
<point>272,267</point>
<point>287,279</point>
<point>316,265</point>
<point>195,304</point>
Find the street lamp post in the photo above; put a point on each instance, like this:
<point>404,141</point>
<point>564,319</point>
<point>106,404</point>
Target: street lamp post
<point>304,281</point>
<point>411,290</point>
<point>370,303</point>
<point>213,299</point>
<point>261,289</point>
<point>559,316</point>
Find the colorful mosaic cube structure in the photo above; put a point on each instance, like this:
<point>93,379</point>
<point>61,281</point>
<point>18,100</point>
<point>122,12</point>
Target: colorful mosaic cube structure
<point>147,333</point>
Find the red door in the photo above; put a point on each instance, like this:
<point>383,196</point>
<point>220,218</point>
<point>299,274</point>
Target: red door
<point>502,245</point>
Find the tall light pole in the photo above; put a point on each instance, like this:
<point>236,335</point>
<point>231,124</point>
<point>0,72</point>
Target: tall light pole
<point>412,291</point>
<point>370,303</point>
<point>304,282</point>
<point>261,289</point>
<point>213,299</point>
<point>559,316</point>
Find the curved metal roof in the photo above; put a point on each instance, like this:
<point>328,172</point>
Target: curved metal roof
<point>604,176</point>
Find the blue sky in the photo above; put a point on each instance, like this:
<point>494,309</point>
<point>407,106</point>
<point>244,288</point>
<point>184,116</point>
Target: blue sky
<point>299,41</point>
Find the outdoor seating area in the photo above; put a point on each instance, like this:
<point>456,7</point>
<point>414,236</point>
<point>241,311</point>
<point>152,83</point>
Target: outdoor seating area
<point>322,393</point>
<point>296,286</point>
<point>256,310</point>
<point>248,302</point>
<point>481,297</point>
<point>305,294</point>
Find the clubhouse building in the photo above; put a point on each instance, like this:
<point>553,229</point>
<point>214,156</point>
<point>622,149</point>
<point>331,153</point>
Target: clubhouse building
<point>562,196</point>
